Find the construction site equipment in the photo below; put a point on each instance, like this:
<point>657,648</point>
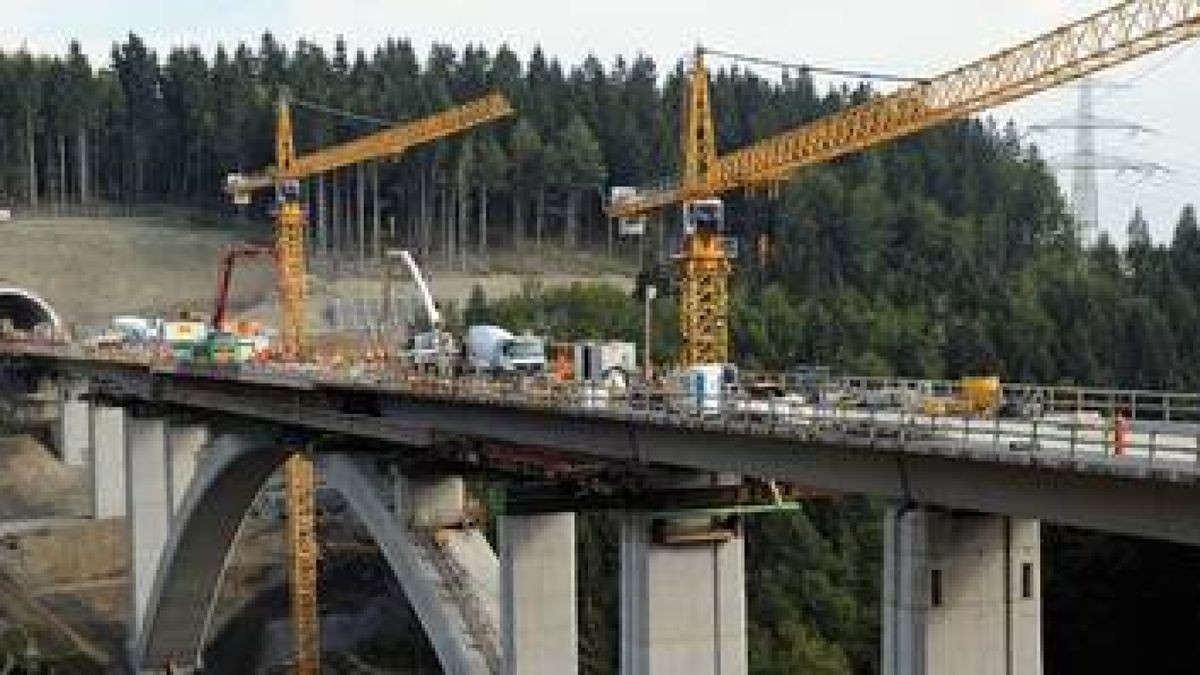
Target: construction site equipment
<point>284,177</point>
<point>494,349</point>
<point>977,396</point>
<point>225,275</point>
<point>435,348</point>
<point>1106,38</point>
<point>289,168</point>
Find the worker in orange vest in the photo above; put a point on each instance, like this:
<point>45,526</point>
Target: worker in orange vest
<point>1120,433</point>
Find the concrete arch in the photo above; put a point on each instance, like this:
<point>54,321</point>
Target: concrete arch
<point>26,309</point>
<point>463,646</point>
<point>194,558</point>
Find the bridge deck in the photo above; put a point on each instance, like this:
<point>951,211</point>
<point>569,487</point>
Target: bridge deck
<point>1063,464</point>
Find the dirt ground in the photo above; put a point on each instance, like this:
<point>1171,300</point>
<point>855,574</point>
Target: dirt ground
<point>90,269</point>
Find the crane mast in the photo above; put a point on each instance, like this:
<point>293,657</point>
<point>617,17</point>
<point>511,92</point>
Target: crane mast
<point>1120,33</point>
<point>704,265</point>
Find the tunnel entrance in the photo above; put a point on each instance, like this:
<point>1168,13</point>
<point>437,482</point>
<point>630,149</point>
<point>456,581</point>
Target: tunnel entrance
<point>26,310</point>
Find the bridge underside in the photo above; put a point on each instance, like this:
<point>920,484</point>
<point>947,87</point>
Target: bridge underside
<point>192,561</point>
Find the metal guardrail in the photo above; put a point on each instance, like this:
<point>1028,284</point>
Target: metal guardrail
<point>1147,430</point>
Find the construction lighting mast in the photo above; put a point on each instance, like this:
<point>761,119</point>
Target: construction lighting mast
<point>284,177</point>
<point>1106,38</point>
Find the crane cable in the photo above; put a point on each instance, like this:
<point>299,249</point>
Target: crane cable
<point>810,68</point>
<point>338,112</point>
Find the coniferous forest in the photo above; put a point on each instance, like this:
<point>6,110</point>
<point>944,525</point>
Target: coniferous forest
<point>948,253</point>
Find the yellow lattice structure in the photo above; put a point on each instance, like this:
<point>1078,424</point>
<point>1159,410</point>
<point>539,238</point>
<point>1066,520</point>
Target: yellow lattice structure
<point>703,264</point>
<point>300,479</point>
<point>289,231</point>
<point>1115,35</point>
<point>704,299</point>
<point>699,142</point>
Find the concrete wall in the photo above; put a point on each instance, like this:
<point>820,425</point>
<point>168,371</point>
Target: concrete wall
<point>962,594</point>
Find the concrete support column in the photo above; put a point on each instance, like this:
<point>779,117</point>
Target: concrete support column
<point>431,501</point>
<point>148,507</point>
<point>683,607</point>
<point>962,594</point>
<point>184,442</point>
<point>539,627</point>
<point>72,431</point>
<point>107,425</point>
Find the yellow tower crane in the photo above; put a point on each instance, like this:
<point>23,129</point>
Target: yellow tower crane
<point>290,223</point>
<point>1120,33</point>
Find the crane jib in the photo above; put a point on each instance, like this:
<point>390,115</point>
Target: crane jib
<point>1115,35</point>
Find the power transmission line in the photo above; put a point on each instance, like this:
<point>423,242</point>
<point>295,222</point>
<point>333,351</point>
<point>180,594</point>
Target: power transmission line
<point>1085,162</point>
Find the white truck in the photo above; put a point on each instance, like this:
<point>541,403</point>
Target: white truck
<point>494,349</point>
<point>702,389</point>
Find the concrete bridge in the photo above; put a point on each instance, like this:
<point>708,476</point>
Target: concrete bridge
<point>962,573</point>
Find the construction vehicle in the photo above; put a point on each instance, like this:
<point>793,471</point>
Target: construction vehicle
<point>976,396</point>
<point>284,178</point>
<point>1106,38</point>
<point>184,336</point>
<point>434,349</point>
<point>225,276</point>
<point>496,350</point>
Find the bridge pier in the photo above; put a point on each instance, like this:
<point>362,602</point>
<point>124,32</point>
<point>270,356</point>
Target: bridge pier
<point>683,606</point>
<point>184,444</point>
<point>107,436</point>
<point>962,594</point>
<point>539,627</point>
<point>72,429</point>
<point>148,507</point>
<point>432,501</point>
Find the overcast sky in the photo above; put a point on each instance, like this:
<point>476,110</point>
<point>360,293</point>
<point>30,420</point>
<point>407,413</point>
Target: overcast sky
<point>920,37</point>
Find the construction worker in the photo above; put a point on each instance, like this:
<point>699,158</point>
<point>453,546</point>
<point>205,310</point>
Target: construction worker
<point>1120,433</point>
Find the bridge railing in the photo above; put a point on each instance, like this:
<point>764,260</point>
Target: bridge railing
<point>1147,428</point>
<point>1066,430</point>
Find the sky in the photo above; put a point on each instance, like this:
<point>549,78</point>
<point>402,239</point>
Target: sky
<point>918,37</point>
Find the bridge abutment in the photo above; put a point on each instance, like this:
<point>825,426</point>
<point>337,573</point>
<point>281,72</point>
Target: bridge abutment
<point>539,626</point>
<point>683,606</point>
<point>962,593</point>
